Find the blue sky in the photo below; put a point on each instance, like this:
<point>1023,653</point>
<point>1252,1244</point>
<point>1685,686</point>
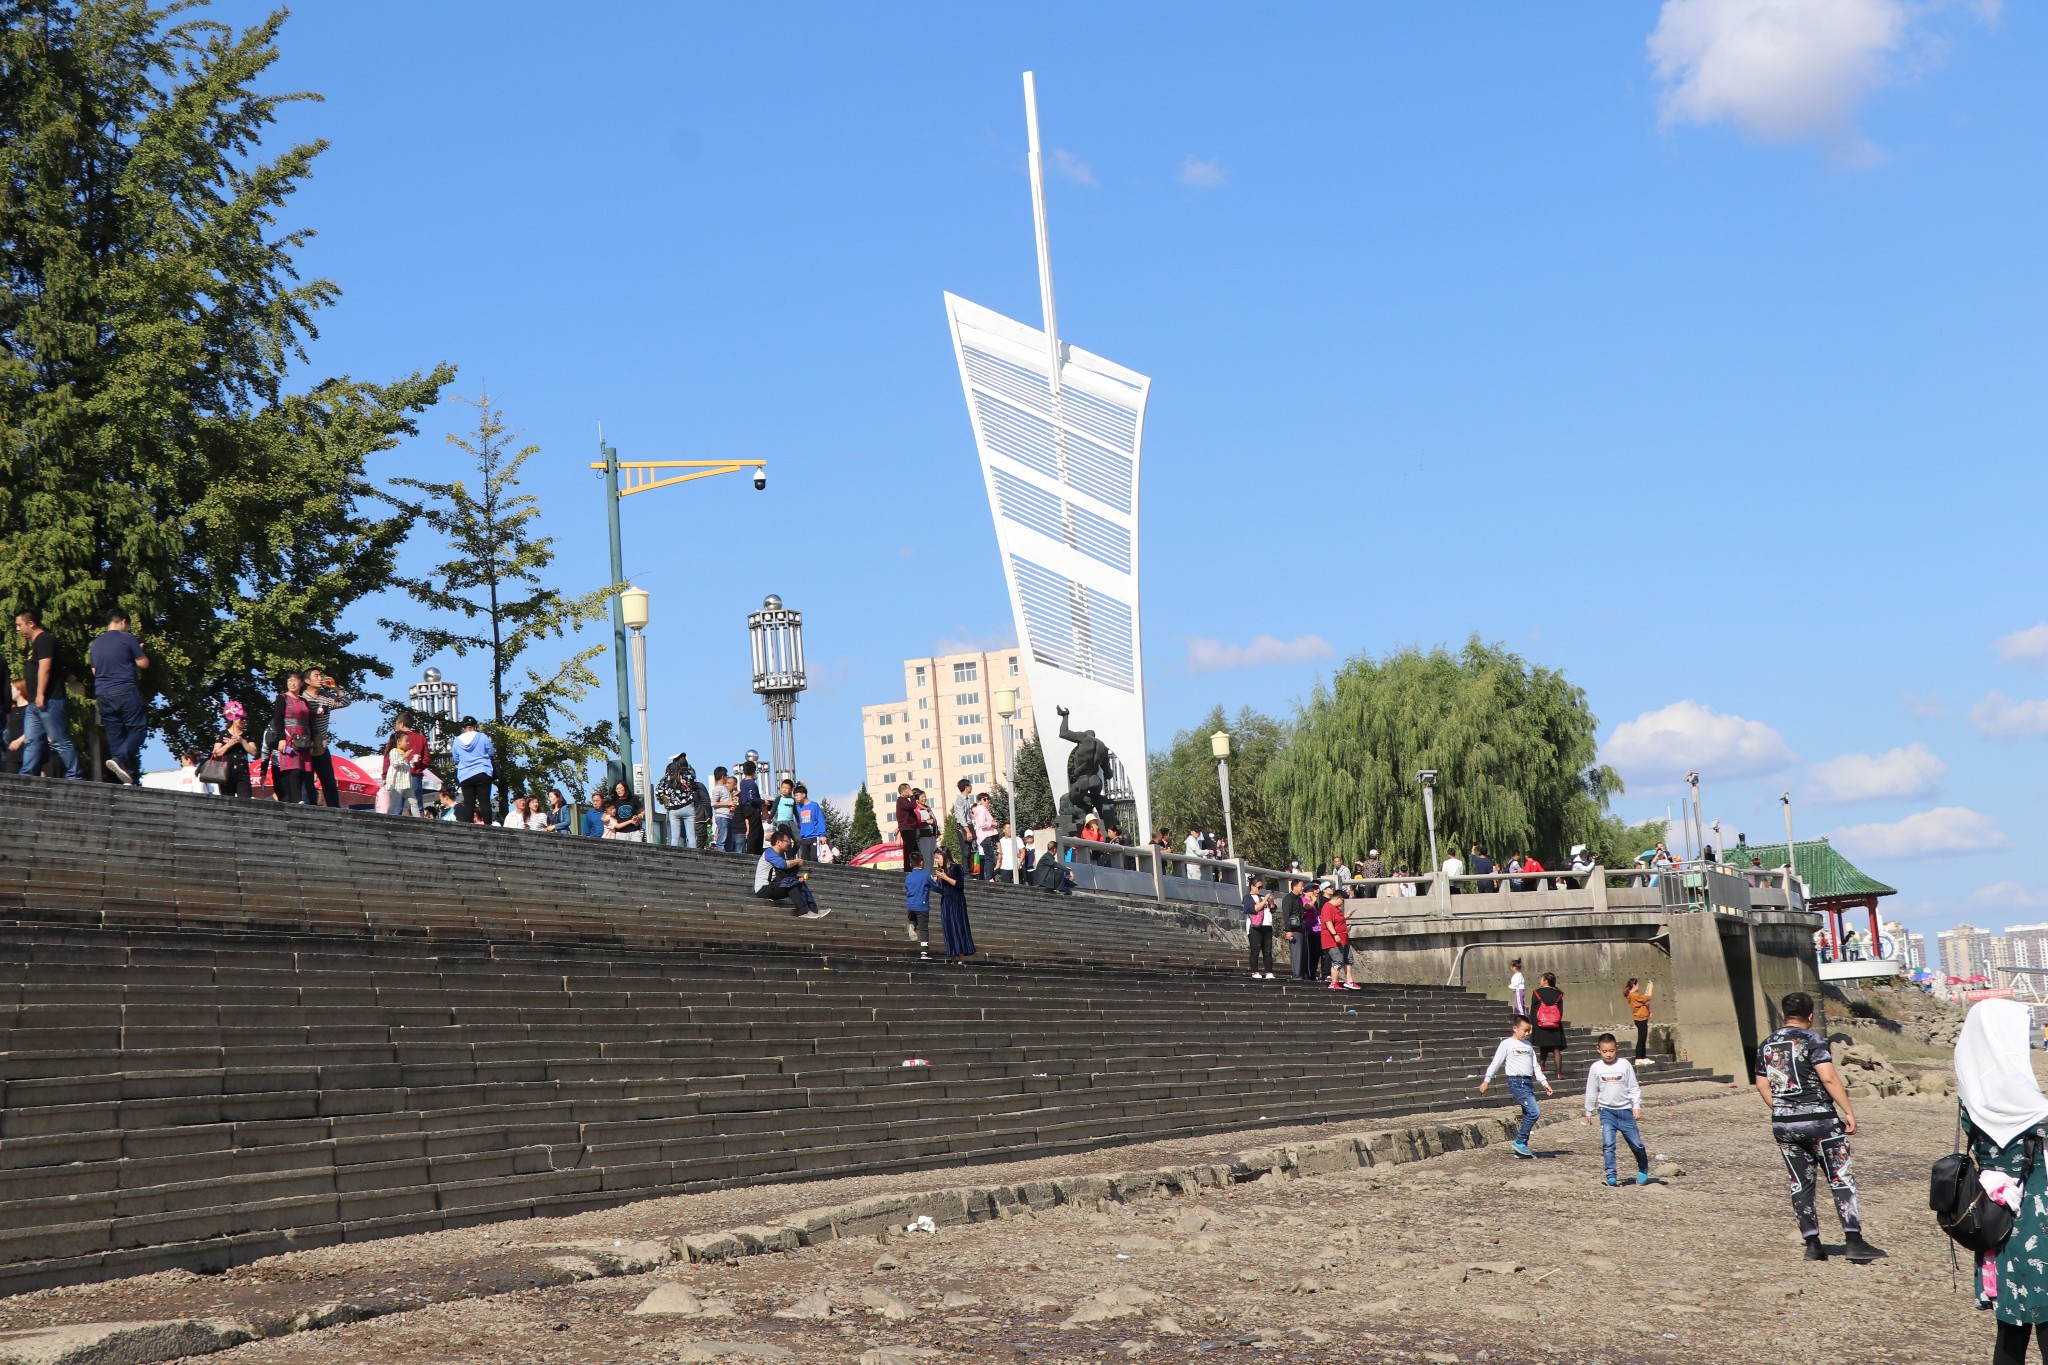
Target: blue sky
<point>1692,352</point>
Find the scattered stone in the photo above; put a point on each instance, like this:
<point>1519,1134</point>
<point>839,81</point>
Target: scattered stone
<point>958,1300</point>
<point>1205,1244</point>
<point>1109,1305</point>
<point>573,1268</point>
<point>890,1307</point>
<point>1378,1306</point>
<point>1306,1285</point>
<point>1309,1335</point>
<point>705,1352</point>
<point>1139,1242</point>
<point>886,1264</point>
<point>1167,1327</point>
<point>1040,1304</point>
<point>1134,1349</point>
<point>897,1355</point>
<point>121,1343</point>
<point>1496,1267</point>
<point>1666,1170</point>
<point>670,1300</point>
<point>810,1308</point>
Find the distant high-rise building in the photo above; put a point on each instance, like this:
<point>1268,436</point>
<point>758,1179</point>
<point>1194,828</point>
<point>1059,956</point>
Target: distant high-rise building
<point>1965,952</point>
<point>1908,949</point>
<point>944,729</point>
<point>2027,946</point>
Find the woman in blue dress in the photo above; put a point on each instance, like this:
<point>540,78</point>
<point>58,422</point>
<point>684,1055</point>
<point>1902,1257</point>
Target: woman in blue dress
<point>951,877</point>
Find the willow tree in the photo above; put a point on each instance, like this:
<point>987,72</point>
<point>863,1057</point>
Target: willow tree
<point>1513,747</point>
<point>1187,793</point>
<point>154,452</point>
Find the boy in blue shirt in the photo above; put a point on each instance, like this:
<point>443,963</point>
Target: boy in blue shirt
<point>810,823</point>
<point>917,898</point>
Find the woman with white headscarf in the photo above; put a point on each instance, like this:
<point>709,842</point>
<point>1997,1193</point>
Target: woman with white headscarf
<point>2006,1118</point>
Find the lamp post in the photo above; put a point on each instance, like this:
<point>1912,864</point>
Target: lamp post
<point>1791,863</point>
<point>433,702</point>
<point>1219,745</point>
<point>632,605</point>
<point>1427,777</point>
<point>1695,835</point>
<point>642,476</point>
<point>1006,707</point>
<point>778,638</point>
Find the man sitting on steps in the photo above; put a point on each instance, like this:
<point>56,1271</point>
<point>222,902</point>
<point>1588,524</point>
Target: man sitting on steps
<point>779,876</point>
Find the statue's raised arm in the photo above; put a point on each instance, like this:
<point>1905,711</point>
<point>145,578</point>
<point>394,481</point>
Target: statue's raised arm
<point>1066,734</point>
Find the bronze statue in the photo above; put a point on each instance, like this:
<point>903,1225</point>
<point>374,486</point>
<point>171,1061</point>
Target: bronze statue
<point>1090,768</point>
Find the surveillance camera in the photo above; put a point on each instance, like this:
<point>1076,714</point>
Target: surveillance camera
<point>760,477</point>
<point>1427,777</point>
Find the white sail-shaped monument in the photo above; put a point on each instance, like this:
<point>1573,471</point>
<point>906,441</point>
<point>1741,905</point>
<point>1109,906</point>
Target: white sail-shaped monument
<point>1060,432</point>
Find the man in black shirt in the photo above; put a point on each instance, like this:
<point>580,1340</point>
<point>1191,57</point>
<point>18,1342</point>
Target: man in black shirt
<point>43,718</point>
<point>117,660</point>
<point>1795,1074</point>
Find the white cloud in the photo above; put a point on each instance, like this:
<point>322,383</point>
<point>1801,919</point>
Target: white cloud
<point>1660,746</point>
<point>1923,705</point>
<point>1198,174</point>
<point>1898,775</point>
<point>2000,717</point>
<point>1779,69</point>
<point>1936,833</point>
<point>1216,656</point>
<point>2009,896</point>
<point>1073,167</point>
<point>2029,646</point>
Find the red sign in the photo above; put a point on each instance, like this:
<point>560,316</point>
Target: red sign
<point>1997,993</point>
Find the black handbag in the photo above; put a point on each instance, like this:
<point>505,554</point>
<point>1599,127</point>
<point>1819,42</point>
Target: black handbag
<point>1972,1218</point>
<point>214,771</point>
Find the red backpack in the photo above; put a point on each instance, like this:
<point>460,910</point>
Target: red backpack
<point>1549,1013</point>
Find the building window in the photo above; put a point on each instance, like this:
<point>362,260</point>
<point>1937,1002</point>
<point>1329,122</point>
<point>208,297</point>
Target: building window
<point>890,777</point>
<point>924,725</point>
<point>967,698</point>
<point>966,673</point>
<point>974,758</point>
<point>927,765</point>
<point>967,739</point>
<point>921,702</point>
<point>888,758</point>
<point>1013,665</point>
<point>883,719</point>
<point>920,675</point>
<point>925,744</point>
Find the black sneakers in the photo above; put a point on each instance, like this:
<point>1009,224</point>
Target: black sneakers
<point>1814,1250</point>
<point>117,770</point>
<point>1860,1252</point>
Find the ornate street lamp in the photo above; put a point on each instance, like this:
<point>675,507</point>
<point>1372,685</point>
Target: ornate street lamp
<point>433,702</point>
<point>1006,707</point>
<point>778,638</point>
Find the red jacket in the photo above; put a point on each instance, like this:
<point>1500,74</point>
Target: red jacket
<point>1336,929</point>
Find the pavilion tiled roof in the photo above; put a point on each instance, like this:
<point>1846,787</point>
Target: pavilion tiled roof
<point>1827,874</point>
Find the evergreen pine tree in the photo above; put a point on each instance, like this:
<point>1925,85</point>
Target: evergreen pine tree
<point>1036,804</point>
<point>836,825</point>
<point>151,454</point>
<point>865,831</point>
<point>493,582</point>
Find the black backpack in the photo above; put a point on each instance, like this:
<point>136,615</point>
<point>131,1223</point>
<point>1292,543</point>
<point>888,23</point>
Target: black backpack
<point>1971,1218</point>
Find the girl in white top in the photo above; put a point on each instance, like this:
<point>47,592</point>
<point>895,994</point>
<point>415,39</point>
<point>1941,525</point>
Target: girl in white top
<point>1518,989</point>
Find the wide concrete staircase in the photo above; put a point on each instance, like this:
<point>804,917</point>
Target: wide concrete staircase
<point>234,1029</point>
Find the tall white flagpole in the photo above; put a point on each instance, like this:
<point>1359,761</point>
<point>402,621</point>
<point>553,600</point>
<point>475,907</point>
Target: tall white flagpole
<point>1052,329</point>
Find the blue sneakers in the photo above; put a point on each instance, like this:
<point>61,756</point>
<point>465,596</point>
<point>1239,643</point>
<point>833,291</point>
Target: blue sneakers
<point>1612,1183</point>
<point>1522,1151</point>
<point>1642,1177</point>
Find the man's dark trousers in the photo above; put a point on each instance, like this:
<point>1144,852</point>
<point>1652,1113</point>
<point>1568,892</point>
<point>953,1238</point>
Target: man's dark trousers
<point>125,719</point>
<point>323,772</point>
<point>476,797</point>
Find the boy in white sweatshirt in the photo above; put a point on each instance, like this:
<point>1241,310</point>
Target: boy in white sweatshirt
<point>1612,1088</point>
<point>1525,1073</point>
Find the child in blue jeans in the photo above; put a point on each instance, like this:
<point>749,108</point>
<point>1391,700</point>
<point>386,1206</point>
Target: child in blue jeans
<point>1518,1057</point>
<point>917,900</point>
<point>1612,1088</point>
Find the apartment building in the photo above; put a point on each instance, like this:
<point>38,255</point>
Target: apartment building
<point>945,728</point>
<point>1966,951</point>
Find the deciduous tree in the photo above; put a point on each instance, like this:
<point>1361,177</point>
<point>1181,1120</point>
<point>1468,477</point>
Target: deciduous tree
<point>1186,793</point>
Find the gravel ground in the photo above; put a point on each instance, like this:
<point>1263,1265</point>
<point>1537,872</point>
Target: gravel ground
<point>1473,1256</point>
